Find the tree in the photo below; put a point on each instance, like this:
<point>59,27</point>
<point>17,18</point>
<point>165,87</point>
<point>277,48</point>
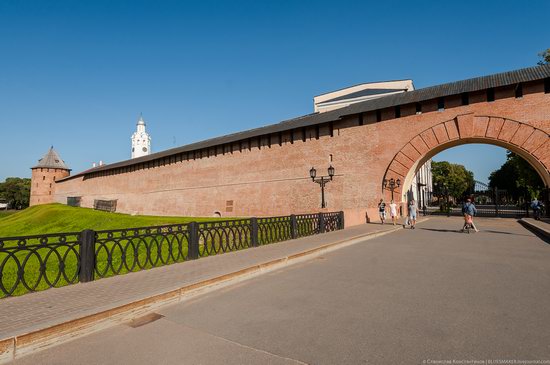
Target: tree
<point>456,178</point>
<point>518,177</point>
<point>16,191</point>
<point>544,57</point>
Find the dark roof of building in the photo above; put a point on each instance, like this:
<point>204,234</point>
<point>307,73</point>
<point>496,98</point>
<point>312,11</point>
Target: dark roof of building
<point>366,92</point>
<point>415,96</point>
<point>453,88</point>
<point>51,160</point>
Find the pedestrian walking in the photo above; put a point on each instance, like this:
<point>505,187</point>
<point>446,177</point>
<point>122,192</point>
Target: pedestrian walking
<point>393,212</point>
<point>412,213</point>
<point>469,210</point>
<point>382,210</point>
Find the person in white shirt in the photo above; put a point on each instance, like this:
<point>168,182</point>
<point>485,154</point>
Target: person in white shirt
<point>393,212</point>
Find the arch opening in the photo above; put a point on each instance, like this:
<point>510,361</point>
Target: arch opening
<point>531,144</point>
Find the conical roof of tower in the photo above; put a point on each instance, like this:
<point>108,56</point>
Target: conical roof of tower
<point>51,160</point>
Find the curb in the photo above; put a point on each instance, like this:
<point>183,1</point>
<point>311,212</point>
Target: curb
<point>14,347</point>
<point>543,233</point>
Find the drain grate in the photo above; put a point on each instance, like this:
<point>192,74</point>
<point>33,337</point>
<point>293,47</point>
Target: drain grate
<point>146,319</point>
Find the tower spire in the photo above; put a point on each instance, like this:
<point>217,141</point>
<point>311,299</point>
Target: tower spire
<point>140,120</point>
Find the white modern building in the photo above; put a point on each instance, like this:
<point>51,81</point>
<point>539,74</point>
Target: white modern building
<point>358,93</point>
<point>422,186</point>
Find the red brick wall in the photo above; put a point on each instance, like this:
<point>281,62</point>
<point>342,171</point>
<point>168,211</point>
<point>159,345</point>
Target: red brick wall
<point>274,180</point>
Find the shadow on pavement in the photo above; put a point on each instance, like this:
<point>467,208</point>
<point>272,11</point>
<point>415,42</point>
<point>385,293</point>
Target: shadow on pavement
<point>501,232</point>
<point>442,230</point>
<point>481,230</point>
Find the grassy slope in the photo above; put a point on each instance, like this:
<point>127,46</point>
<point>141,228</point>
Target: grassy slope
<point>55,218</point>
<point>6,213</point>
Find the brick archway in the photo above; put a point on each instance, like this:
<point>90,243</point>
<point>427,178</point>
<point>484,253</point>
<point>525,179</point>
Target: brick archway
<point>530,143</point>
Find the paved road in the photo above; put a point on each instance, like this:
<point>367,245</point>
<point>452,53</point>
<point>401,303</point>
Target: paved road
<point>413,295</point>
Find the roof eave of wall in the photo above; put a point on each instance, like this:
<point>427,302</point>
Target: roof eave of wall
<point>419,95</point>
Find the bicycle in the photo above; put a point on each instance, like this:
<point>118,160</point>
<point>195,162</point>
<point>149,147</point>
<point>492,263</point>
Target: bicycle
<point>468,224</point>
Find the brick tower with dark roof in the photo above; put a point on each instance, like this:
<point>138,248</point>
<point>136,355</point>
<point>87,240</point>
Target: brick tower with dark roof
<point>49,169</point>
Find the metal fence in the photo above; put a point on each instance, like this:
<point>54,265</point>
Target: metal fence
<point>484,210</point>
<point>33,263</point>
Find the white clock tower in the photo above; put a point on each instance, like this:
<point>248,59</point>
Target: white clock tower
<point>141,141</point>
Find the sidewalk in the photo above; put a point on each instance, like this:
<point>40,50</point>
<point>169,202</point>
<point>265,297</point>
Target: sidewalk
<point>541,227</point>
<point>54,315</point>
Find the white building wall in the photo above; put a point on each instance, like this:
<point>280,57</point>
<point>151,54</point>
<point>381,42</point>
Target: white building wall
<point>421,189</point>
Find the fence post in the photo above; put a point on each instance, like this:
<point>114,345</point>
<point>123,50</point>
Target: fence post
<point>254,231</point>
<point>496,201</point>
<point>87,256</point>
<point>193,240</point>
<point>341,226</point>
<point>293,226</point>
<point>321,223</point>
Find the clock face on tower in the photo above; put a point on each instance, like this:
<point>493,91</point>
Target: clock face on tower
<point>144,149</point>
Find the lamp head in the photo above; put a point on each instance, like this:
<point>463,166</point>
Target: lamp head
<point>331,171</point>
<point>312,173</point>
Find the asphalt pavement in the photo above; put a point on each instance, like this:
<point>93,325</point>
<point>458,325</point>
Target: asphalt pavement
<point>409,297</point>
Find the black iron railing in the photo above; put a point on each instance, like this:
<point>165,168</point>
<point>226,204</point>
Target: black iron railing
<point>38,262</point>
<point>33,263</point>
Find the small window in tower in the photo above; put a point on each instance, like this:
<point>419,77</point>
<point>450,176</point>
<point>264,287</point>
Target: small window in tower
<point>43,178</point>
<point>519,91</point>
<point>133,149</point>
<point>490,94</point>
<point>440,104</point>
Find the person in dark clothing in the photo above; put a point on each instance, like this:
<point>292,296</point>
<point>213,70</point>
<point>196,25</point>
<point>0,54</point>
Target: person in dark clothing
<point>382,210</point>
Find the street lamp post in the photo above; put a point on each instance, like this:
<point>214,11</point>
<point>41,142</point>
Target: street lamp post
<point>392,184</point>
<point>421,197</point>
<point>322,181</point>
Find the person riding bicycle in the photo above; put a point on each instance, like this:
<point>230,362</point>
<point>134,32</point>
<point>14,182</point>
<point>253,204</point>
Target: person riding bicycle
<point>469,210</point>
<point>537,208</point>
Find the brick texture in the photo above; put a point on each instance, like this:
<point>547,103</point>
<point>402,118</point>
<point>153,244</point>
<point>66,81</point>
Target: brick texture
<point>272,178</point>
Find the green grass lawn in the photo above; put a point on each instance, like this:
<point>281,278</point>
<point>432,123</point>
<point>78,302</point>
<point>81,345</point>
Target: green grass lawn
<point>56,218</point>
<point>116,253</point>
<point>6,213</point>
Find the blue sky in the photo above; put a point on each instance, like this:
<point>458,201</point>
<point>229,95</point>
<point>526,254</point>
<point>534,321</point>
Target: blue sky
<point>76,74</point>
